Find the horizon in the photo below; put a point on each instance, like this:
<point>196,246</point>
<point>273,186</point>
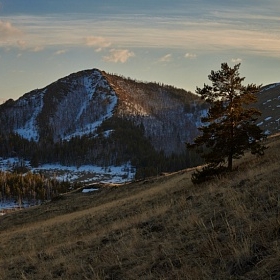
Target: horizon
<point>177,43</point>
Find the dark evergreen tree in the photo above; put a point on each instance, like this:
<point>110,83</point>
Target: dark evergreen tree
<point>230,126</point>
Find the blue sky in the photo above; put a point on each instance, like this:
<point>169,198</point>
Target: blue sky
<point>173,42</point>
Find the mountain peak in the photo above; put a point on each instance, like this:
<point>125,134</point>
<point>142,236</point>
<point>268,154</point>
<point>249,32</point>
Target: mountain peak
<point>66,107</point>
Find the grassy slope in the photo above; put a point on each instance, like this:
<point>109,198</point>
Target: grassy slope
<point>164,228</point>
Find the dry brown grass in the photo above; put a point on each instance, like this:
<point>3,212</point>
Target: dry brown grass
<point>163,228</point>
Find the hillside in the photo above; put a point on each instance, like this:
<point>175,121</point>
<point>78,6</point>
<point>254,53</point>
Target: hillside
<point>170,116</point>
<point>161,228</point>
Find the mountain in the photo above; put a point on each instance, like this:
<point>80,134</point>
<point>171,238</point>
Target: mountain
<point>92,117</point>
<point>77,104</point>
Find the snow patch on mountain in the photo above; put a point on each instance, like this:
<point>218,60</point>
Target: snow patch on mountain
<point>107,99</point>
<point>89,100</point>
<point>29,130</point>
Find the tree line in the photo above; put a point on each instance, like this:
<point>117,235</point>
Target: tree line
<point>30,187</point>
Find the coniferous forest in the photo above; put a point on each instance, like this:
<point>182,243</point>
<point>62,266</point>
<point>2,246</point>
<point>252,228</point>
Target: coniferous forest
<point>126,142</point>
<point>31,188</point>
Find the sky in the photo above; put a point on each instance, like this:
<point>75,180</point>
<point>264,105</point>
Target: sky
<point>174,42</point>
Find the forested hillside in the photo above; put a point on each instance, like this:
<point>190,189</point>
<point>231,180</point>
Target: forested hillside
<point>169,115</point>
<point>92,117</point>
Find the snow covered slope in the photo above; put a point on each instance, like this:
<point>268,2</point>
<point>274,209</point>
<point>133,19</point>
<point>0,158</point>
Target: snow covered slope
<point>72,106</point>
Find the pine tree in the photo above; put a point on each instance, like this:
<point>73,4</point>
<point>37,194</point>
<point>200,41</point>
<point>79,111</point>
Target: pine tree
<point>230,126</point>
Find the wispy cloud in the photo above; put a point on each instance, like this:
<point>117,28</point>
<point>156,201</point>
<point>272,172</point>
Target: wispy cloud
<point>24,46</point>
<point>10,36</point>
<point>118,56</point>
<point>59,52</point>
<point>21,44</point>
<point>166,58</point>
<point>7,30</point>
<point>97,42</point>
<point>213,34</point>
<point>13,37</point>
<point>37,48</point>
<point>236,60</point>
<point>190,55</point>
